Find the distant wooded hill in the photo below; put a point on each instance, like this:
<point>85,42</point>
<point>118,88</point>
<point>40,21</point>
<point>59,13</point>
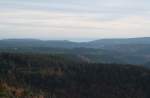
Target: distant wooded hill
<point>68,44</point>
<point>121,51</point>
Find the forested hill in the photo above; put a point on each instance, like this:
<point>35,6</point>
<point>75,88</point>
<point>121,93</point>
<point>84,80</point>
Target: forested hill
<point>68,44</point>
<point>121,51</point>
<point>54,76</point>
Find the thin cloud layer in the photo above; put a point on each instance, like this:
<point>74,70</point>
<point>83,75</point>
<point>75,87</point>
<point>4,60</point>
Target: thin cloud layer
<point>70,19</point>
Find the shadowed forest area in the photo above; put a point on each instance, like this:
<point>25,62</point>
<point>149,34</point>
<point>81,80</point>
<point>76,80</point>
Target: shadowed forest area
<point>54,76</point>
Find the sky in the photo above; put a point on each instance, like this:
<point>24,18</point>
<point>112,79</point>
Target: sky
<point>77,20</point>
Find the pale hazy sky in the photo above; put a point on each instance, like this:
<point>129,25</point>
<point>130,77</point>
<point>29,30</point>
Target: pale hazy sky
<point>74,19</point>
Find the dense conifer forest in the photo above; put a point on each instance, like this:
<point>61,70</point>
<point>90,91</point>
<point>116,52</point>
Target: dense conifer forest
<point>34,75</point>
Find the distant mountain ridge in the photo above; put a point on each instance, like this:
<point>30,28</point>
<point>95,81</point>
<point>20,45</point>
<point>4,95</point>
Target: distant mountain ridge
<point>69,44</point>
<point>34,43</point>
<point>121,51</point>
<point>142,40</point>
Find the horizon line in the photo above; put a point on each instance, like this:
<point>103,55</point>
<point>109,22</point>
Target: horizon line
<point>73,39</point>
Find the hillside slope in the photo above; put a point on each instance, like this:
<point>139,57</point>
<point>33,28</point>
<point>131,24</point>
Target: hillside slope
<point>58,77</point>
